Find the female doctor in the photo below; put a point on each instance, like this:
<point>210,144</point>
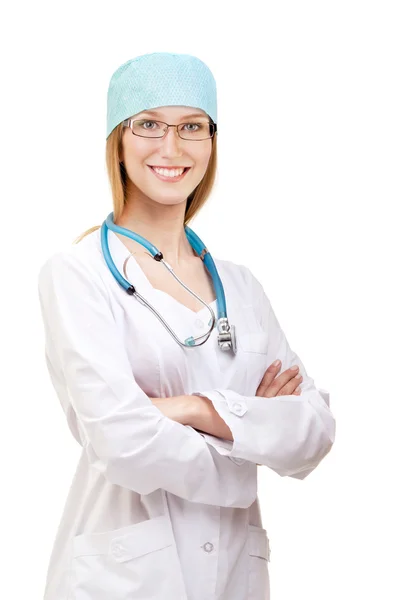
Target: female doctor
<point>171,367</point>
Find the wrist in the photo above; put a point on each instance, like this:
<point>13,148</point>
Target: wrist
<point>192,410</point>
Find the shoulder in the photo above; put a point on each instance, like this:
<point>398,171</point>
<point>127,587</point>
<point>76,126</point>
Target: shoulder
<point>230,268</point>
<point>236,271</point>
<point>242,279</point>
<point>80,257</point>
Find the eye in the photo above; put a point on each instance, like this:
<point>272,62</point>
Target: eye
<point>143,123</point>
<point>198,125</point>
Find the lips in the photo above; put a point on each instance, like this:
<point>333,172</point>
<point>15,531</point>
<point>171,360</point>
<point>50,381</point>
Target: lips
<point>161,167</point>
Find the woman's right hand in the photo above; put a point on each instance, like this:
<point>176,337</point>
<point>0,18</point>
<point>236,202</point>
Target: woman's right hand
<point>285,384</point>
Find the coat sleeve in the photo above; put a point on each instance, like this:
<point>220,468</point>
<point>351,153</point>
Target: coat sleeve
<point>126,437</point>
<point>289,434</point>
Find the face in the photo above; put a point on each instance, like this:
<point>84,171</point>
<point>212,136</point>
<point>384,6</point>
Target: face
<point>139,154</point>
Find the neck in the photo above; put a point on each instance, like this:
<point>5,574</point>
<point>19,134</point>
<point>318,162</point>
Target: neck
<point>160,224</point>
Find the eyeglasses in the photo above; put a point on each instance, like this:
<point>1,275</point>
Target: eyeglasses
<point>158,129</point>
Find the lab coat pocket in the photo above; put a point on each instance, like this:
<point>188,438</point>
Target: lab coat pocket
<point>254,342</point>
<point>137,561</point>
<point>259,556</point>
<point>253,351</point>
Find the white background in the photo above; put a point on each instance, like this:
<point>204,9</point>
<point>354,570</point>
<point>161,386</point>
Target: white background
<point>307,196</point>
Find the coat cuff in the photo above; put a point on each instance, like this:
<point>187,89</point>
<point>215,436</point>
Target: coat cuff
<point>229,411</point>
<point>223,447</point>
<point>289,434</point>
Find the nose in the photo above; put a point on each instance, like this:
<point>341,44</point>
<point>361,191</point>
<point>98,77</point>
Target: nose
<point>171,141</point>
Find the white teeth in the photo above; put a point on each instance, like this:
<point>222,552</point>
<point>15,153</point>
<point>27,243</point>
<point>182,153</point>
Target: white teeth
<point>169,172</point>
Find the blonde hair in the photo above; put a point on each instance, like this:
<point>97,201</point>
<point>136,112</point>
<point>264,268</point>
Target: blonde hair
<point>117,177</point>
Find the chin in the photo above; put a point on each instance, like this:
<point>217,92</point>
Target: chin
<point>172,201</point>
<point>168,199</point>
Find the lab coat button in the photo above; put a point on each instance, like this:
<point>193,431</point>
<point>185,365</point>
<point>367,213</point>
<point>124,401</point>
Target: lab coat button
<point>199,323</point>
<point>117,550</point>
<point>239,408</point>
<point>208,547</point>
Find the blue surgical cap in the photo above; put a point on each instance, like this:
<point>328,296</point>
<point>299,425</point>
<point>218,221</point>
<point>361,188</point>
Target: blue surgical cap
<point>160,79</point>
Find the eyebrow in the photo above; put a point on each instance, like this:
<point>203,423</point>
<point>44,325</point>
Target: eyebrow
<point>151,112</point>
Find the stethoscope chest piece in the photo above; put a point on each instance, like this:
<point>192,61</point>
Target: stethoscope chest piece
<point>226,336</point>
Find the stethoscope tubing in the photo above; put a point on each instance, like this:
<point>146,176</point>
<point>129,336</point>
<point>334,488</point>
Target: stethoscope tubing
<point>226,332</point>
<point>164,322</point>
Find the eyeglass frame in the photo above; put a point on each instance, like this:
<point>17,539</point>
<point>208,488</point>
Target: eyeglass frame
<point>130,121</point>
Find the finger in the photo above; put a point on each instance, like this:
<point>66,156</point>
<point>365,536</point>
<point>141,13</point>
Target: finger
<point>281,381</point>
<point>267,379</point>
<point>290,387</point>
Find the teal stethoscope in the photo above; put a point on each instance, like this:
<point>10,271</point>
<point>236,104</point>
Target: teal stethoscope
<point>226,332</point>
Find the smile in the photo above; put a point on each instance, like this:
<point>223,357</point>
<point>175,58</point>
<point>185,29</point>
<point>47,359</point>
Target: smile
<point>171,175</point>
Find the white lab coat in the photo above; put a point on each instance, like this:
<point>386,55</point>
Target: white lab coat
<point>156,509</point>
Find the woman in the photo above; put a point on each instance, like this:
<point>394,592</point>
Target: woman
<point>164,501</point>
